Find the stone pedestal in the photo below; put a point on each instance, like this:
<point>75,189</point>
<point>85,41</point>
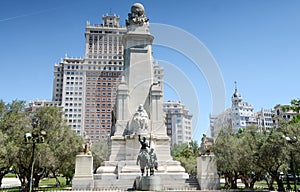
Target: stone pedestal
<point>148,183</point>
<point>83,178</point>
<point>207,174</point>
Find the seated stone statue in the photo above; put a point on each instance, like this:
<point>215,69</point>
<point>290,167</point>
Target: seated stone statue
<point>206,145</point>
<point>141,118</point>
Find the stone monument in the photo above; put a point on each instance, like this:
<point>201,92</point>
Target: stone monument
<point>207,173</point>
<point>83,177</point>
<point>138,111</point>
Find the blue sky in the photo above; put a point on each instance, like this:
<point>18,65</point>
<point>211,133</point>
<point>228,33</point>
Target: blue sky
<point>254,42</point>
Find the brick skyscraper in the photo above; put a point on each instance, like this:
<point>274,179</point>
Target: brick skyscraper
<point>86,87</point>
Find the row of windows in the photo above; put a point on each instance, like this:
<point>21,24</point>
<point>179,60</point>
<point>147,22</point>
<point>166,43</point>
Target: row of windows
<point>73,88</point>
<point>109,84</point>
<point>99,78</point>
<point>72,110</point>
<point>90,88</point>
<point>92,126</point>
<point>74,73</point>
<point>104,52</point>
<point>75,93</point>
<point>97,131</point>
<point>98,110</point>
<point>244,109</point>
<point>87,116</point>
<point>74,78</point>
<point>106,57</point>
<point>73,104</point>
<point>99,94</point>
<point>72,83</point>
<point>97,121</point>
<point>74,67</point>
<point>74,120</point>
<point>108,74</point>
<point>104,62</point>
<point>98,105</point>
<point>111,45</point>
<point>98,99</point>
<point>72,115</point>
<point>105,32</point>
<point>73,99</point>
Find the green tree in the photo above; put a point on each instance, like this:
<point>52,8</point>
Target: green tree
<point>13,123</point>
<point>295,106</point>
<point>291,134</point>
<point>62,144</point>
<point>99,152</point>
<point>235,156</point>
<point>272,157</point>
<point>56,154</point>
<point>186,154</point>
<point>4,160</point>
<point>226,150</point>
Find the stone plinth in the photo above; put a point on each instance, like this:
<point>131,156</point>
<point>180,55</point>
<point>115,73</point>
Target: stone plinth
<point>148,183</point>
<point>83,178</point>
<point>207,174</point>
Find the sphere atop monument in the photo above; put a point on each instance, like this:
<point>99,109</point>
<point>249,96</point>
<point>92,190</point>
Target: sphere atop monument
<point>137,15</point>
<point>138,9</point>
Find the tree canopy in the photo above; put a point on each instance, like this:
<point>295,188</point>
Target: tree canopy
<point>56,154</point>
<point>186,154</point>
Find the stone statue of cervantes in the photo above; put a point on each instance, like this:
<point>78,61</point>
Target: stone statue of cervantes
<point>140,118</point>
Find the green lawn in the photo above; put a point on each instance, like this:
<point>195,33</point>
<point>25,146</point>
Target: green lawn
<point>47,184</point>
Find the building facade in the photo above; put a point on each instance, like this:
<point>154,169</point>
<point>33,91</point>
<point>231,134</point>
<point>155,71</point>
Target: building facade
<point>178,122</point>
<point>34,105</point>
<point>264,120</point>
<point>239,116</point>
<point>86,87</point>
<point>242,113</point>
<point>280,114</point>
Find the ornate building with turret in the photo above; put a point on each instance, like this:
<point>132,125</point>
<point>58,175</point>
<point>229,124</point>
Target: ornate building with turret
<point>239,116</point>
<point>242,113</point>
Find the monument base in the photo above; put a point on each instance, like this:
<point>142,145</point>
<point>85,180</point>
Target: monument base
<point>148,183</point>
<point>207,174</point>
<point>168,181</point>
<point>83,178</point>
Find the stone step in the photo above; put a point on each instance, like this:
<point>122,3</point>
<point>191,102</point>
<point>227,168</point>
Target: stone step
<point>193,183</point>
<point>128,184</point>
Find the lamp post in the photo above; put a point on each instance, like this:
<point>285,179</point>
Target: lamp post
<point>150,109</point>
<point>34,138</point>
<point>291,141</point>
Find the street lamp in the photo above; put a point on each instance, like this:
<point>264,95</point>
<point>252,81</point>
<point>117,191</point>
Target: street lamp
<point>34,138</point>
<point>291,141</point>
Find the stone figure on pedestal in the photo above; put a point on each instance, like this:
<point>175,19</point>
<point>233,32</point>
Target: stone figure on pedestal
<point>87,144</point>
<point>206,146</point>
<point>207,173</point>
